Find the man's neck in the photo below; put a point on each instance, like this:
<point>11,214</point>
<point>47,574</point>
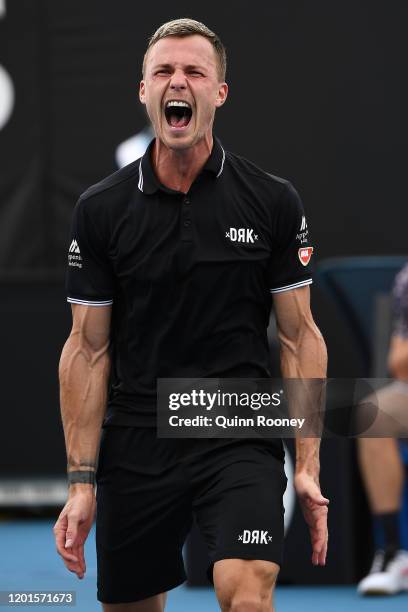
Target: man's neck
<point>178,169</point>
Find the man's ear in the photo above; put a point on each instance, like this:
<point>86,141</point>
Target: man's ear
<point>142,94</point>
<point>222,95</point>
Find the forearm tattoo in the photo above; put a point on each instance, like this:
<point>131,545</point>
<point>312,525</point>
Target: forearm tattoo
<point>78,464</point>
<point>82,477</point>
<point>81,471</point>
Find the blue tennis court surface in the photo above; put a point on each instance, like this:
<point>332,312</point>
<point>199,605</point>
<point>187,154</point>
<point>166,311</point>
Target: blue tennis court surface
<point>28,561</point>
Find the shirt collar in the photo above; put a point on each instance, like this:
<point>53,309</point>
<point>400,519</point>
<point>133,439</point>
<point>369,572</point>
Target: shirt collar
<point>149,183</point>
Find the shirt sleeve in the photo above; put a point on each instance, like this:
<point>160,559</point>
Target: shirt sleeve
<point>400,303</point>
<point>290,264</point>
<point>89,278</point>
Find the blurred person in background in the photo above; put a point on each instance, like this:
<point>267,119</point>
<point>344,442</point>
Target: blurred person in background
<point>380,458</point>
<point>188,243</point>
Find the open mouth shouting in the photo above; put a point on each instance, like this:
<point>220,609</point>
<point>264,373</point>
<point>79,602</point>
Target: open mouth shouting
<point>178,114</point>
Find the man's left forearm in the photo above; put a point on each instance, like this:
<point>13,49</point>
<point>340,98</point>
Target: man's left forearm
<point>304,356</point>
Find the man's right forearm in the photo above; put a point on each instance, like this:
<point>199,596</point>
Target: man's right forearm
<point>84,374</point>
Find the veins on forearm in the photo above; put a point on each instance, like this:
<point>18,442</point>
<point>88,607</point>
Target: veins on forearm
<point>97,363</point>
<point>304,354</point>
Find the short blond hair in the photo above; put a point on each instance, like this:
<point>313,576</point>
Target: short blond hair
<point>189,27</point>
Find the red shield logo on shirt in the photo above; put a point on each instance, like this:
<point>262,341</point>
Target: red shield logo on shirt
<point>305,255</point>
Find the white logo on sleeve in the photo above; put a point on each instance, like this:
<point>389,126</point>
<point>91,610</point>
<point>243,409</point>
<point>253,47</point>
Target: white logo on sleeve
<point>254,537</point>
<point>74,255</point>
<point>74,248</point>
<point>241,234</point>
<point>303,231</point>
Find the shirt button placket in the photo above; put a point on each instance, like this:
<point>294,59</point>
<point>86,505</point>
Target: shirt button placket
<point>186,220</point>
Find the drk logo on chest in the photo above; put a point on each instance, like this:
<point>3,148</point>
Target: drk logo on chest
<point>241,234</point>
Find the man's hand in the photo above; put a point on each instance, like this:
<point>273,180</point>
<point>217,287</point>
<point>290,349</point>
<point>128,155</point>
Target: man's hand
<point>73,526</point>
<point>314,508</point>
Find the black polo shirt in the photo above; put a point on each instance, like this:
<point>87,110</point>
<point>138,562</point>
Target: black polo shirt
<point>190,276</point>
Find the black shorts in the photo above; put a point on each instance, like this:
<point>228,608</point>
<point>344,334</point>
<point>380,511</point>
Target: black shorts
<point>150,489</point>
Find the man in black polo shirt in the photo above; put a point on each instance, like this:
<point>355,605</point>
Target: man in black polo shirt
<point>171,265</point>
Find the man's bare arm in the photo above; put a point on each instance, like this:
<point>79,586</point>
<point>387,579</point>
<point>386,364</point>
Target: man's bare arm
<point>303,355</point>
<point>398,357</point>
<point>84,373</point>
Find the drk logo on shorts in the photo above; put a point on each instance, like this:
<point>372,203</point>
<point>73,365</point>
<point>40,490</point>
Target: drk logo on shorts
<point>241,234</point>
<point>254,537</point>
